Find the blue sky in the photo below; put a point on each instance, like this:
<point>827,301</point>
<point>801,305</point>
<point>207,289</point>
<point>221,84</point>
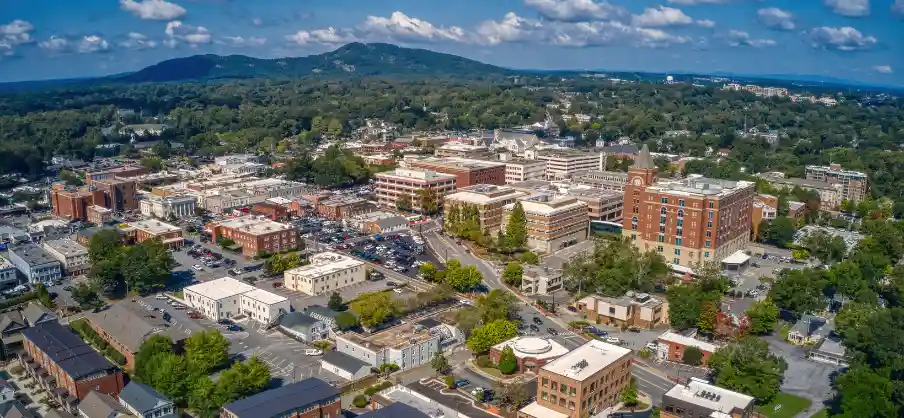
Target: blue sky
<point>851,39</point>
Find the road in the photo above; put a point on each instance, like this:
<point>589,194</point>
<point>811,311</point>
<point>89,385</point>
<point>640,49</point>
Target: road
<point>651,383</point>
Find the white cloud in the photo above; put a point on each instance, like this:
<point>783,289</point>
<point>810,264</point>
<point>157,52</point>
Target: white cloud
<point>705,23</point>
<point>576,10</point>
<point>898,8</point>
<point>84,44</point>
<point>512,28</point>
<point>15,33</point>
<point>153,9</point>
<point>740,38</point>
<point>137,41</point>
<point>694,2</point>
<point>776,18</point>
<point>661,17</point>
<point>842,39</point>
<point>180,32</point>
<point>853,8</point>
<point>589,34</point>
<point>329,36</point>
<point>884,69</point>
<point>401,27</point>
<point>241,42</point>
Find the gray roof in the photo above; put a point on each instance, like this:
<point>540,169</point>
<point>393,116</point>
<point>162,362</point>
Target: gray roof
<point>53,413</point>
<point>644,160</point>
<point>808,325</point>
<point>67,350</point>
<point>391,221</point>
<point>33,254</point>
<point>429,323</point>
<point>15,409</point>
<point>35,313</point>
<point>100,405</point>
<point>832,346</point>
<point>142,398</point>
<point>344,361</point>
<point>321,310</point>
<point>275,402</point>
<point>12,319</point>
<point>620,149</point>
<point>132,325</point>
<point>395,410</point>
<point>298,321</point>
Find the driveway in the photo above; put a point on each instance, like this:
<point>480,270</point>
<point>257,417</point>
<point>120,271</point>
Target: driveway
<point>804,378</point>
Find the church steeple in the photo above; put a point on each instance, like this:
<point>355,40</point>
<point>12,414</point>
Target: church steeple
<point>644,160</point>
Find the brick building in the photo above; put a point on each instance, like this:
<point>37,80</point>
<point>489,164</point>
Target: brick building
<point>672,346</point>
<point>115,195</point>
<point>553,222</point>
<point>99,215</point>
<point>255,234</point>
<point>854,184</point>
<point>391,186</point>
<point>765,208</point>
<point>467,172</point>
<point>112,174</point>
<point>170,235</point>
<point>341,207</point>
<point>271,210</point>
<point>634,310</point>
<point>118,195</point>
<point>126,325</point>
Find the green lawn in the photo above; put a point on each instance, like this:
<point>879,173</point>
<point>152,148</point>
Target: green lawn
<point>823,413</point>
<point>492,372</point>
<point>790,406</point>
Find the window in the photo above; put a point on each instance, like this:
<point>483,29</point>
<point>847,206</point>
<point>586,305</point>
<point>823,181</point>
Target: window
<point>708,244</point>
<point>709,224</point>
<point>706,254</point>
<point>543,395</point>
<point>680,203</point>
<point>665,200</point>
<point>545,382</point>
<point>712,205</point>
<point>661,238</point>
<point>680,213</point>
<point>674,261</point>
<point>563,388</point>
<point>709,234</point>
<point>679,232</point>
<point>678,241</point>
<point>710,215</point>
<point>659,249</point>
<point>611,310</point>
<point>677,251</point>
<point>662,220</point>
<point>680,222</point>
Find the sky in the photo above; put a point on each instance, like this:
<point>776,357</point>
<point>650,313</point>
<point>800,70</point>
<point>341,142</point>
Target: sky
<point>860,40</point>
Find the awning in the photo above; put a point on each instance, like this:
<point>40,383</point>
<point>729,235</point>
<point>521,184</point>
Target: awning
<point>737,258</point>
<point>681,269</point>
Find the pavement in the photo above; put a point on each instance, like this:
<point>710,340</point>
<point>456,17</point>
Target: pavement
<point>804,378</point>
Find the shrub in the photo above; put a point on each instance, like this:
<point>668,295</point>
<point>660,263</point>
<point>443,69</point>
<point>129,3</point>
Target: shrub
<point>360,401</point>
<point>376,388</point>
<point>450,382</point>
<point>644,353</point>
<point>692,356</point>
<point>508,363</point>
<point>484,361</point>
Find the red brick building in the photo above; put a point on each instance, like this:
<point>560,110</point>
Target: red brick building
<point>467,172</point>
<point>72,204</point>
<point>272,211</point>
<point>672,346</point>
<point>255,234</point>
<point>309,398</point>
<point>169,235</point>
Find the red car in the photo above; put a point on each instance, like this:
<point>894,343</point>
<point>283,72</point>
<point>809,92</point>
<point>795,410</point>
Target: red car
<point>277,284</point>
<point>194,315</point>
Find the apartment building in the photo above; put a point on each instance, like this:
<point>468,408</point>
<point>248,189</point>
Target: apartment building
<point>520,169</point>
<point>339,207</point>
<point>453,149</point>
<point>227,297</point>
<point>830,195</point>
<point>8,275</point>
<point>854,184</point>
<point>537,280</point>
<point>602,205</point>
<point>553,222</point>
<point>765,208</point>
<point>699,398</point>
<point>632,310</point>
<point>688,221</point>
<point>327,272</point>
<point>255,234</point>
<point>118,195</point>
<point>671,346</point>
<point>99,215</point>
<point>407,346</point>
<point>606,180</point>
<point>467,172</point>
<point>587,381</point>
<point>36,264</point>
<point>563,165</point>
<point>168,207</point>
<point>490,201</point>
<point>170,235</point>
<point>392,185</point>
<point>72,255</point>
<point>66,366</point>
<point>308,398</point>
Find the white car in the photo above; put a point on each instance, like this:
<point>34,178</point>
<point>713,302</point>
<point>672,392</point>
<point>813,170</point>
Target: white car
<point>159,297</point>
<point>613,340</point>
<point>397,290</point>
<point>652,346</point>
<point>313,352</point>
<point>476,391</point>
<point>197,267</point>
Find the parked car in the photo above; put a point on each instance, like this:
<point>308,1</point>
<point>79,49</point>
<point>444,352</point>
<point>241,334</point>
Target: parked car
<point>652,346</point>
<point>397,290</point>
<point>233,327</point>
<point>197,267</point>
<point>194,315</point>
<point>390,283</point>
<point>462,383</point>
<point>614,340</point>
<point>159,297</point>
<point>552,331</point>
<point>313,352</point>
<point>538,321</point>
<point>277,284</point>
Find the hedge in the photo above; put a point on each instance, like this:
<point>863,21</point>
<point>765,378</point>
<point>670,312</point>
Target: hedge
<point>18,300</point>
<point>360,401</point>
<point>83,329</point>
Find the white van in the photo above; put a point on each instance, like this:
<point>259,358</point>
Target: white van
<point>313,352</point>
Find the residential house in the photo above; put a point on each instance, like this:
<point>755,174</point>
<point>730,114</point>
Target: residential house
<point>671,347</point>
<point>101,405</point>
<point>303,326</point>
<point>143,401</point>
<point>830,350</point>
<point>344,365</point>
<point>809,329</point>
<point>640,309</point>
<point>324,314</point>
<point>12,324</point>
<point>15,409</point>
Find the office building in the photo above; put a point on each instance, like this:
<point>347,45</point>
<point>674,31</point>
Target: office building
<point>632,310</point>
<point>114,173</point>
<point>563,165</point>
<point>689,221</point>
<point>327,272</point>
<point>227,297</point>
<point>256,234</point>
<point>126,325</point>
<point>408,345</point>
<point>586,381</point>
<point>765,208</point>
<point>399,188</point>
<point>605,180</point>
<point>552,223</point>
<point>98,215</point>
<point>452,149</point>
<point>72,255</point>
<point>337,207</point>
<point>169,235</point>
<point>118,195</point>
<point>538,280</point>
<point>602,205</point>
<point>8,275</point>
<point>520,169</point>
<point>699,398</point>
<point>311,397</point>
<point>36,264</point>
<point>66,366</point>
<point>854,184</point>
<point>490,201</point>
<point>112,194</point>
<point>467,172</point>
<point>176,207</point>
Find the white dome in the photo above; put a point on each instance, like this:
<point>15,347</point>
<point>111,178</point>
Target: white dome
<point>532,345</point>
<point>669,78</point>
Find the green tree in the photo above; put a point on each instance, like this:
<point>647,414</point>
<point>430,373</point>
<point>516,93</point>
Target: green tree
<point>468,319</point>
<point>531,258</point>
<point>516,228</point>
<point>334,128</point>
<point>335,303</point>
<point>512,274</point>
<point>206,351</point>
<point>153,164</point>
<point>508,363</point>
<point>147,266</point>
<point>780,231</point>
<point>346,321</point>
<point>440,364</point>
<point>404,202</point>
<point>360,401</point>
<point>853,315</point>
<point>826,248</point>
<point>169,376</point>
<point>748,367</point>
<point>153,346</point>
<point>70,178</point>
<point>104,245</point>
<point>490,334</point>
<point>243,379</point>
<point>43,296</point>
<point>464,278</point>
<point>497,304</point>
<point>763,316</point>
<point>450,381</point>
<point>204,399</point>
<point>427,200</point>
<point>429,271</point>
<point>692,356</point>
<point>374,308</point>
<point>707,320</point>
<point>629,396</point>
<point>799,291</point>
<point>85,296</point>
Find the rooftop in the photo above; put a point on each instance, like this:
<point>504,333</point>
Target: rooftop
<point>483,194</point>
<point>344,361</point>
<point>395,337</point>
<point>453,162</point>
<point>539,411</point>
<point>154,227</point>
<point>131,325</point>
<point>5,264</point>
<point>697,185</point>
<point>33,254</point>
<point>587,360</point>
<point>395,410</point>
<point>67,350</point>
<point>837,169</point>
<point>547,205</point>
<point>688,341</point>
<point>794,181</point>
<point>254,225</point>
<point>275,402</point>
<point>220,288</point>
<point>831,345</point>
<point>100,405</point>
<point>414,174</point>
<point>141,397</point>
<point>67,247</point>
<point>533,347</point>
<point>568,154</point>
<point>702,393</point>
<point>324,263</point>
<point>264,297</point>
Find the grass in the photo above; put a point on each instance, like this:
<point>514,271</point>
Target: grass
<point>639,407</point>
<point>823,413</point>
<point>784,330</point>
<point>493,372</point>
<point>790,406</point>
<point>179,294</point>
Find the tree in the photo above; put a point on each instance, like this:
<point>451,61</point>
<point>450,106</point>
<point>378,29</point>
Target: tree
<point>427,200</point>
<point>531,258</point>
<point>278,263</point>
<point>149,349</point>
<point>204,399</point>
<point>490,334</point>
<point>243,379</point>
<point>429,271</point>
<point>780,231</point>
<point>153,164</point>
<point>404,202</point>
<point>374,308</point>
<point>508,363</point>
<point>763,316</point>
<point>360,401</point>
<point>516,228</point>
<point>464,278</point>
<point>70,178</point>
<point>85,296</point>
<point>692,356</point>
<point>440,364</point>
<point>853,316</point>
<point>147,266</point>
<point>104,245</point>
<point>468,319</point>
<point>511,394</point>
<point>799,291</point>
<point>335,303</point>
<point>169,376</point>
<point>629,395</point>
<point>450,381</point>
<point>826,248</point>
<point>388,368</point>
<point>748,367</point>
<point>512,274</point>
<point>346,321</point>
<point>206,351</point>
<point>43,296</point>
<point>708,315</point>
<point>495,305</point>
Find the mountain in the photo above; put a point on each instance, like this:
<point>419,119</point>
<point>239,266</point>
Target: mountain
<point>353,59</point>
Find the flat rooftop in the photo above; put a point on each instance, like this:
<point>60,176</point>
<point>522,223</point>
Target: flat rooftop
<point>415,174</point>
<point>264,297</point>
<point>702,393</point>
<point>587,360</point>
<point>154,227</point>
<point>254,225</point>
<point>454,162</point>
<point>33,254</point>
<point>533,347</point>
<point>548,205</point>
<point>324,263</point>
<point>67,247</point>
<point>539,411</point>
<point>395,337</point>
<point>697,185</point>
<point>221,288</point>
<point>795,181</point>
<point>483,194</point>
<point>688,341</point>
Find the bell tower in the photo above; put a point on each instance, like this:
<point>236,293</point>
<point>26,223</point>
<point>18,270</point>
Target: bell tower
<point>641,174</point>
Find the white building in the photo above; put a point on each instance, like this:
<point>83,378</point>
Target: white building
<point>243,168</point>
<point>562,165</point>
<point>164,207</point>
<point>36,264</point>
<point>71,254</point>
<point>235,159</point>
<point>227,297</point>
<point>519,169</point>
<point>8,278</point>
<point>541,280</point>
<point>327,272</point>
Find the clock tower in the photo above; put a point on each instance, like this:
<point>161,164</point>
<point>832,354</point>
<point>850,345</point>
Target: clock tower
<point>641,174</point>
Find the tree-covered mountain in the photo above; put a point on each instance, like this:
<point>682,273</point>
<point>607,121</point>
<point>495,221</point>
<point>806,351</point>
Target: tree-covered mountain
<point>352,59</point>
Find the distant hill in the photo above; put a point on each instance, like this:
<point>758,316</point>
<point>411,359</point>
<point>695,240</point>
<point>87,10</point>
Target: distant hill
<point>355,59</point>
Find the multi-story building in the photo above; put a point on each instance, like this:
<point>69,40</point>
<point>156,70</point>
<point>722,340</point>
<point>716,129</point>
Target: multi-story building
<point>72,255</point>
<point>633,310</point>
<point>225,160</point>
<point>271,210</point>
<point>325,273</point>
<point>520,169</point>
<point>126,325</point>
<point>8,275</point>
<point>118,195</point>
<point>671,346</point>
<point>541,280</point>
<point>256,234</point>
<point>453,149</point>
<point>467,172</point>
<point>587,381</point>
<point>490,201</point>
<point>338,207</point>
<point>66,366</point>
<point>227,297</point>
<point>830,195</point>
<point>699,398</point>
<point>606,180</point>
<point>689,221</point>
<point>602,205</point>
<point>74,204</point>
<point>765,208</point>
<point>235,191</point>
<point>308,398</point>
<point>552,223</point>
<point>99,215</point>
<point>392,185</point>
<point>563,165</point>
<point>144,401</point>
<point>37,265</point>
<point>112,174</point>
<point>407,346</point>
<point>168,207</point>
<point>169,235</point>
<point>854,184</point>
